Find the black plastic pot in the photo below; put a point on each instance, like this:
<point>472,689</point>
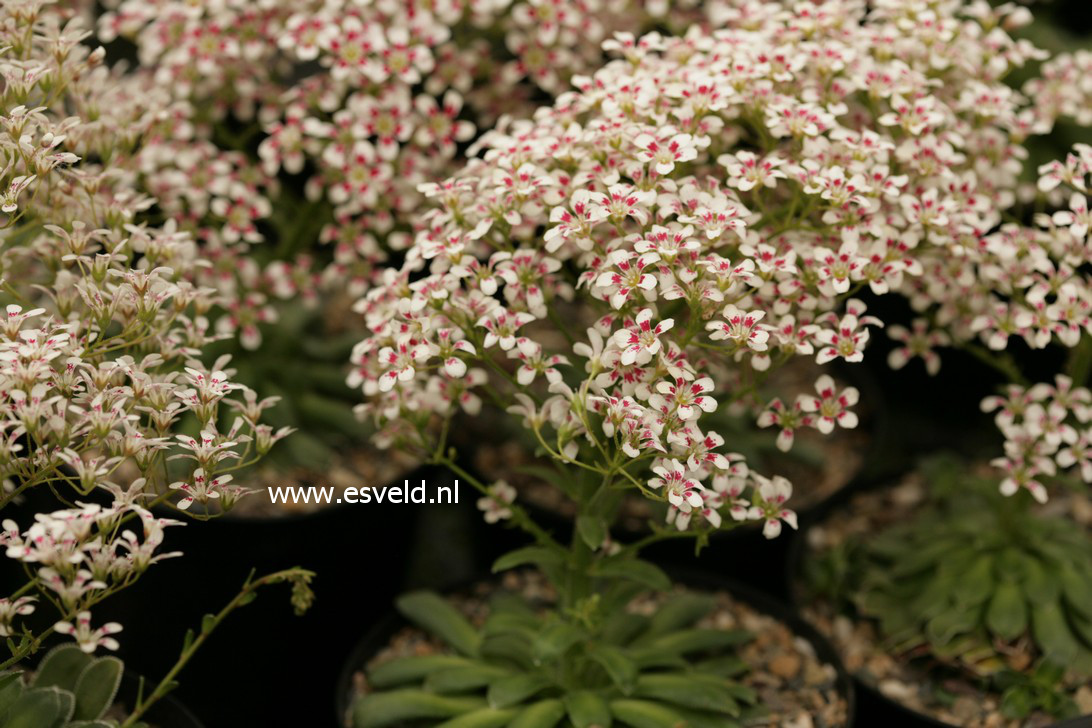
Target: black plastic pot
<point>873,707</point>
<point>379,635</point>
<point>265,665</point>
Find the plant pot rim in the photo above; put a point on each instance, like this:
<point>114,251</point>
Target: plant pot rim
<point>376,636</point>
<point>798,549</point>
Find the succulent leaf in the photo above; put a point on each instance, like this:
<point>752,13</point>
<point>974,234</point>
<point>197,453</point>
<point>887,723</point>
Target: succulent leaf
<point>97,688</point>
<point>543,714</point>
<point>389,708</point>
<point>62,667</point>
<point>587,709</point>
<point>432,613</point>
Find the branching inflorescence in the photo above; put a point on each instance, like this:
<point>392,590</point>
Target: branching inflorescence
<point>707,207</point>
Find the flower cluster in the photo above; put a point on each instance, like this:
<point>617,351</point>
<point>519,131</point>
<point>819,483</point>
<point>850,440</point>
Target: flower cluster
<point>1010,281</point>
<point>1046,427</point>
<point>1025,283</point>
<point>102,329</point>
<point>710,205</point>
<point>82,555</point>
<point>355,103</point>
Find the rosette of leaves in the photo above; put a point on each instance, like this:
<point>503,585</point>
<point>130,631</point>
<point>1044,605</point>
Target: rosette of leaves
<point>70,689</point>
<point>596,665</point>
<point>981,583</point>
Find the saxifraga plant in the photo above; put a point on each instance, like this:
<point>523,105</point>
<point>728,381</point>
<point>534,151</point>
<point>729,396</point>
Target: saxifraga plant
<point>529,669</point>
<point>701,211</point>
<point>970,581</point>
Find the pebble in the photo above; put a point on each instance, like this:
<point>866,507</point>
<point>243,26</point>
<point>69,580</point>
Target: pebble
<point>801,721</point>
<point>786,665</point>
<point>965,709</point>
<point>896,690</point>
<point>815,674</point>
<point>1083,699</point>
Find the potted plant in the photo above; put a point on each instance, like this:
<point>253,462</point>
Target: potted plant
<point>99,357</point>
<point>494,653</point>
<point>990,631</point>
<point>645,252</point>
<point>290,144</point>
<point>1002,581</point>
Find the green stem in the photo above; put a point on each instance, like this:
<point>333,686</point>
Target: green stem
<point>999,361</point>
<point>1079,362</point>
<point>299,578</point>
<point>519,516</point>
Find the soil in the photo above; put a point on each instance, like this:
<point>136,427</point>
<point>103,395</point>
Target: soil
<point>861,646</point>
<point>799,690</point>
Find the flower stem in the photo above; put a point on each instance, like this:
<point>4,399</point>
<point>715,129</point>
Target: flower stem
<point>301,598</point>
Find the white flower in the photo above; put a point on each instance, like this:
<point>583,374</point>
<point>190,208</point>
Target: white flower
<point>830,407</point>
<point>683,491</point>
<point>87,638</point>
<point>640,341</point>
<point>773,493</point>
<point>742,327</point>
<point>496,505</point>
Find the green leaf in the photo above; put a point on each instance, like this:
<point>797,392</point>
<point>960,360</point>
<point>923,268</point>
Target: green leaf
<point>1052,634</point>
<point>516,688</point>
<point>690,691</point>
<point>93,724</point>
<point>508,647</point>
<point>41,707</point>
<point>389,708</point>
<point>636,570</point>
<point>703,719</point>
<point>554,640</point>
<point>97,687</point>
<point>646,714</point>
<point>187,640</point>
<point>11,687</point>
<point>1082,626</point>
<point>481,718</point>
<point>652,660</point>
<point>412,669</point>
<point>953,621</point>
<point>507,623</point>
<point>586,709</point>
<point>976,584</point>
<point>592,530</point>
<point>543,714</point>
<point>682,610</point>
<point>723,666</point>
<point>741,692</point>
<point>1007,615</point>
<point>621,669</point>
<point>540,556</point>
<point>1078,590</point>
<point>621,627</point>
<point>434,614</point>
<point>692,640</point>
<point>1040,586</point>
<point>462,678</point>
<point>62,667</point>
